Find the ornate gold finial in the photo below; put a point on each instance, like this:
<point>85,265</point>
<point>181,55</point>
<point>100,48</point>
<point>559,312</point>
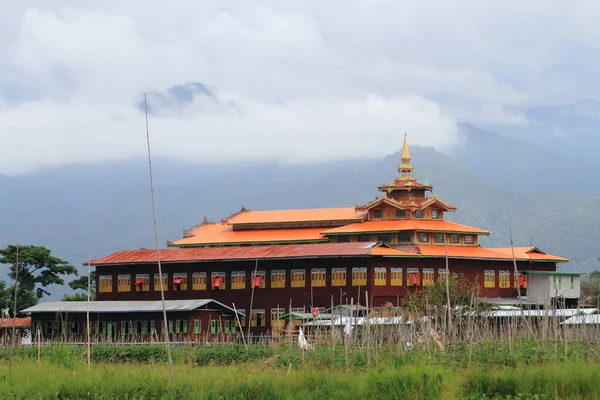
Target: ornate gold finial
<point>405,169</point>
<point>405,156</point>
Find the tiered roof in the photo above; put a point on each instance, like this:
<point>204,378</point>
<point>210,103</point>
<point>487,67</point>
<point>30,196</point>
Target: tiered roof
<point>314,232</point>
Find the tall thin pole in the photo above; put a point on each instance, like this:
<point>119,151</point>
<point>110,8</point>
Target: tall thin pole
<point>162,289</point>
<point>87,314</point>
<point>448,286</point>
<point>249,314</point>
<point>12,336</point>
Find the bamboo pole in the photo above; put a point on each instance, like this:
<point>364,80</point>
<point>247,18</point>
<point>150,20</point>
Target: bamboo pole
<point>240,325</point>
<point>448,287</point>
<point>252,299</point>
<point>162,289</point>
<point>12,336</point>
<point>89,357</point>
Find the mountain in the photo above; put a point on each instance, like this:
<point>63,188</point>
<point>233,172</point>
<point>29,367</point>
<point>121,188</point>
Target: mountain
<point>97,209</point>
<point>569,130</point>
<point>517,164</point>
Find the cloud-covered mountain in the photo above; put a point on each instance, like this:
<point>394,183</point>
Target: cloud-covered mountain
<point>100,208</point>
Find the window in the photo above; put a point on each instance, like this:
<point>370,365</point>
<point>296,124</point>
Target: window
<point>242,317</point>
<point>180,282</point>
<point>197,326</point>
<point>469,239</point>
<point>424,237</point>
<point>520,281</point>
<point>413,278</point>
<point>258,279</point>
<point>364,238</point>
<point>454,238</point>
<point>384,237</point>
<point>427,276</point>
<point>438,238</point>
<point>298,277</point>
<point>217,280</point>
<point>404,237</point>
<point>504,278</point>
<point>199,281</point>
<point>435,214</point>
<point>359,276</point>
<point>276,321</point>
<point>396,277</point>
<point>399,213</point>
<point>74,327</point>
<point>442,274</point>
<point>126,327</point>
<point>48,328</point>
<point>257,318</point>
<point>181,326</point>
<point>105,284</point>
<point>342,239</point>
<point>123,283</point>
<point>419,214</point>
<point>317,277</point>
<point>215,326</point>
<point>238,280</point>
<point>377,213</point>
<point>489,278</point>
<point>157,281</point>
<point>572,282</point>
<point>151,327</point>
<point>278,278</point>
<point>380,276</point>
<point>338,277</point>
<point>230,327</point>
<point>142,282</point>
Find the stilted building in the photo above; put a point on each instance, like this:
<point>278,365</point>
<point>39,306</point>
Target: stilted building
<point>266,264</point>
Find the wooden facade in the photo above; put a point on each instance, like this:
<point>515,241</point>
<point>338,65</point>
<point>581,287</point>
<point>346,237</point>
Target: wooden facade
<point>338,279</point>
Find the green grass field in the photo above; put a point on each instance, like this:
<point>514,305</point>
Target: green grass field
<point>232,372</point>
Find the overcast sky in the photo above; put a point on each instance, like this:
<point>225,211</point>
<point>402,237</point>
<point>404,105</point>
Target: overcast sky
<point>310,80</point>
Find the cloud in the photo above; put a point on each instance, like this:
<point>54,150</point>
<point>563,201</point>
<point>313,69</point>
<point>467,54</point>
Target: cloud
<point>309,82</point>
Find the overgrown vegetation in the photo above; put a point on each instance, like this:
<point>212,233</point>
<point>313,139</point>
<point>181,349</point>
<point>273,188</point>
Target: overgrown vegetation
<point>285,372</point>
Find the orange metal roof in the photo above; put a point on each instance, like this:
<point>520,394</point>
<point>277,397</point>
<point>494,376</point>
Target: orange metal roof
<point>18,322</point>
<point>462,252</point>
<point>231,253</point>
<point>224,234</point>
<point>405,225</point>
<point>530,253</point>
<point>302,215</point>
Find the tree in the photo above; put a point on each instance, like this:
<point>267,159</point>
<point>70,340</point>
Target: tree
<point>81,283</point>
<point>434,297</point>
<point>75,297</point>
<point>38,269</point>
<point>590,288</point>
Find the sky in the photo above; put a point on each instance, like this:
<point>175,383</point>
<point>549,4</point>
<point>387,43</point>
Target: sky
<point>290,81</point>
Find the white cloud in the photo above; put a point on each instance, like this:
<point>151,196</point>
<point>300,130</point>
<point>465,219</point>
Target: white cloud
<point>311,80</point>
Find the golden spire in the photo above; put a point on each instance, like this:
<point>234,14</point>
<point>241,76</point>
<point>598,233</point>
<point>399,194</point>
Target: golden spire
<point>405,169</point>
<point>405,156</point>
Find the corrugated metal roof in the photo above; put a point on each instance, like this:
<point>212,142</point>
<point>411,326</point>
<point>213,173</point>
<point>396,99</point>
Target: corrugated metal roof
<point>590,319</point>
<point>299,215</point>
<point>18,322</point>
<point>224,234</point>
<point>122,306</point>
<point>237,253</point>
<point>404,225</point>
